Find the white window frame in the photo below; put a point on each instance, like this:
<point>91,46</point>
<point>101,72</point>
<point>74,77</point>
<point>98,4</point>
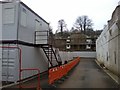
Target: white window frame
<point>9,15</point>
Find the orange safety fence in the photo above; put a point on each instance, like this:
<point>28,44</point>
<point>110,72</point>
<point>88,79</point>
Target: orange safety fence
<point>60,71</point>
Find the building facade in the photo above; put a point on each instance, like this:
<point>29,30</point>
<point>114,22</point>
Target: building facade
<point>108,44</point>
<point>76,42</point>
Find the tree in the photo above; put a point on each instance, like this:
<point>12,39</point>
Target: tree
<point>51,36</point>
<point>83,23</point>
<point>62,26</point>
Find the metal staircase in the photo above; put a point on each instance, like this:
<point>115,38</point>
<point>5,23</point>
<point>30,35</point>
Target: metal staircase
<point>42,40</point>
<point>53,58</point>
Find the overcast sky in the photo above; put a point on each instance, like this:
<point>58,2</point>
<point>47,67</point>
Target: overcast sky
<point>99,11</point>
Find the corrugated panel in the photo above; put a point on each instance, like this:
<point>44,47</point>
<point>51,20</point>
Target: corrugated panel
<point>8,64</point>
<point>0,65</point>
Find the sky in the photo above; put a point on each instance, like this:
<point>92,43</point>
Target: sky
<point>100,11</point>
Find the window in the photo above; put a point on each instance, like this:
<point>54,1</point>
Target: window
<point>37,25</point>
<point>68,45</point>
<point>107,56</point>
<point>23,18</point>
<point>9,15</point>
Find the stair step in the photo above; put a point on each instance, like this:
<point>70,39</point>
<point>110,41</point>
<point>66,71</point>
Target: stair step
<point>48,50</point>
<point>50,53</point>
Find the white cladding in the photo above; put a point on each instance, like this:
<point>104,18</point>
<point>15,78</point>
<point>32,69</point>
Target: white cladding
<point>107,48</point>
<point>10,64</point>
<point>31,24</point>
<point>9,15</point>
<point>108,43</point>
<point>70,55</point>
<point>31,58</point>
<point>20,23</point>
<point>0,48</point>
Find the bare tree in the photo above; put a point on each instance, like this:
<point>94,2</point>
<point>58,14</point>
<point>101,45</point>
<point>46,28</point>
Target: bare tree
<point>62,26</point>
<point>83,23</point>
<point>51,36</point>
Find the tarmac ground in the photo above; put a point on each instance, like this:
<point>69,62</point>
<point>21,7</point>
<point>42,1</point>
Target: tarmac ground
<point>86,74</point>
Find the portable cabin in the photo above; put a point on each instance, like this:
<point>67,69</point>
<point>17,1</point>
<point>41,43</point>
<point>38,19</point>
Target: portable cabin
<point>23,28</point>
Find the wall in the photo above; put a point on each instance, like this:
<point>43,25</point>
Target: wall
<point>107,48</point>
<point>113,49</point>
<point>101,44</point>
<point>10,63</point>
<point>0,39</point>
<point>70,55</point>
<point>10,15</point>
<point>20,23</point>
<point>119,53</point>
<point>33,23</point>
<point>31,58</point>
<point>85,54</point>
<point>21,26</point>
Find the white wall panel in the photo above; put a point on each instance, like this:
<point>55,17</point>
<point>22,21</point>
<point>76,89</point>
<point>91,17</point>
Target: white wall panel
<point>33,58</point>
<point>0,45</point>
<point>70,55</point>
<point>30,24</point>
<point>9,15</point>
<point>108,49</point>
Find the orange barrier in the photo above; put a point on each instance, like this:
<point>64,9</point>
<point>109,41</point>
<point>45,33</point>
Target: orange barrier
<point>60,71</point>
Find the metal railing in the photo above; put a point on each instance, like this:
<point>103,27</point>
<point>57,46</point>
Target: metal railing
<point>23,69</point>
<point>41,37</point>
<point>38,74</point>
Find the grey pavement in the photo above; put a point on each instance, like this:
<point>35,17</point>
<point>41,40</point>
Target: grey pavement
<point>87,74</point>
<point>31,83</point>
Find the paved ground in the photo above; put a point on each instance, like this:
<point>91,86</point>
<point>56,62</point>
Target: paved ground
<point>33,83</point>
<point>87,74</point>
